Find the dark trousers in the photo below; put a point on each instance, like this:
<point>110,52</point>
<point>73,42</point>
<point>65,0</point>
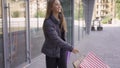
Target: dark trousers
<point>52,62</point>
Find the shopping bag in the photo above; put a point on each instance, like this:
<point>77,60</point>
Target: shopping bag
<point>77,62</point>
<point>92,61</point>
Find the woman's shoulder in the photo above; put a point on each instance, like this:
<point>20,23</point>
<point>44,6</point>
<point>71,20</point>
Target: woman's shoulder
<point>48,22</point>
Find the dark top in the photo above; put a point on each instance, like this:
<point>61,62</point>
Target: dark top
<point>54,38</point>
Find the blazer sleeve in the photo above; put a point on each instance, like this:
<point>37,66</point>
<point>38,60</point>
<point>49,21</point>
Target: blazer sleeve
<point>52,35</point>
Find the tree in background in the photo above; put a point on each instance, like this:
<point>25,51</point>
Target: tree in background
<point>16,14</point>
<point>40,14</point>
<point>118,9</point>
<point>78,10</point>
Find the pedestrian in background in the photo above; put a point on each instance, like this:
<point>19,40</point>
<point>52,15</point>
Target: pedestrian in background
<point>55,47</point>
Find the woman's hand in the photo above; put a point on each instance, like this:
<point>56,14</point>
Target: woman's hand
<point>75,51</point>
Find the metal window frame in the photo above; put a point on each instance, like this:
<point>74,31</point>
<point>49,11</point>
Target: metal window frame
<point>28,38</point>
<point>5,34</point>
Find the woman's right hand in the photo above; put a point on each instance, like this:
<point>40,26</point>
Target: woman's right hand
<point>75,51</point>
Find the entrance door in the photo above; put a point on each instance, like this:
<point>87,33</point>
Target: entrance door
<point>14,32</point>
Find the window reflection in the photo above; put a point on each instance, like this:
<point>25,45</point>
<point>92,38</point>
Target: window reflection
<point>79,23</point>
<point>17,34</point>
<point>37,15</point>
<point>68,12</point>
<point>1,39</point>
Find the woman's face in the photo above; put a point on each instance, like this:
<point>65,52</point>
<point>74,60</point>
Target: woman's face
<point>56,6</point>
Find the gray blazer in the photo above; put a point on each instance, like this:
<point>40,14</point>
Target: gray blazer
<point>54,38</point>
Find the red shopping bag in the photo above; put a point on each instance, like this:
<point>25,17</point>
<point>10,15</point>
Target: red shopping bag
<point>93,61</point>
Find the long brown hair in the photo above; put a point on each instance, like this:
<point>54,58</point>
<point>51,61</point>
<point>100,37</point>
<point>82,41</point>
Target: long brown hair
<point>61,15</point>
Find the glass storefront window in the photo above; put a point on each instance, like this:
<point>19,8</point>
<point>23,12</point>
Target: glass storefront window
<point>17,32</point>
<point>37,15</point>
<point>79,22</point>
<point>68,11</point>
<point>1,38</point>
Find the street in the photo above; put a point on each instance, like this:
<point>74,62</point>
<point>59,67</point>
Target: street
<point>105,44</point>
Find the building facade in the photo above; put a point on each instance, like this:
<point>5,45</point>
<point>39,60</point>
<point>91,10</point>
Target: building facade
<point>104,8</point>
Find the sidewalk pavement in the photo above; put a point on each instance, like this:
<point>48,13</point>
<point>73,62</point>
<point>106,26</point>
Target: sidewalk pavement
<point>38,62</point>
<point>104,44</point>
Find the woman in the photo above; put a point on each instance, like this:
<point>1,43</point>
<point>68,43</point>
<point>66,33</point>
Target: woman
<point>55,47</point>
